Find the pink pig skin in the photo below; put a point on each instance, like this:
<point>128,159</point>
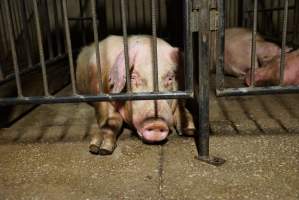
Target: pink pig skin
<point>237,53</point>
<point>269,74</point>
<point>153,120</point>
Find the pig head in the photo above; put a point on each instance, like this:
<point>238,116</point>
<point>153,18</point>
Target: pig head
<point>270,73</point>
<point>153,119</point>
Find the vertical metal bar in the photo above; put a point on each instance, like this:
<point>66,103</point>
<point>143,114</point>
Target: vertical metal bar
<point>41,49</point>
<point>13,49</point>
<point>154,46</point>
<point>82,22</point>
<point>4,46</point>
<point>57,27</point>
<point>220,47</point>
<point>203,101</point>
<point>296,22</point>
<point>283,44</point>
<point>26,33</point>
<point>188,62</point>
<point>96,40</point>
<point>253,45</point>
<point>202,137</point>
<point>69,46</point>
<point>126,49</point>
<point>48,29</point>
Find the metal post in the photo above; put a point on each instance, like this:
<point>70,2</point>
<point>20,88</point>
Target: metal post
<point>202,138</point>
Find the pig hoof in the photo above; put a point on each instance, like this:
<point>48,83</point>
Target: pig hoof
<point>94,149</point>
<point>107,148</point>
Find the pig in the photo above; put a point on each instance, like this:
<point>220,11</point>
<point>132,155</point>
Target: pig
<point>152,119</point>
<point>237,52</point>
<point>270,73</point>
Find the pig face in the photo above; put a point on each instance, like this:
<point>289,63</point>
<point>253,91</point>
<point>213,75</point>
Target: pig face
<point>152,119</point>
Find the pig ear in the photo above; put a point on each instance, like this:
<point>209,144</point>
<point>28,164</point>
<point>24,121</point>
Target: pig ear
<point>117,75</point>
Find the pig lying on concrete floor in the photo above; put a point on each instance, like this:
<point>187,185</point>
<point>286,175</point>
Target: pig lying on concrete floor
<point>237,53</point>
<point>153,120</point>
<point>270,73</point>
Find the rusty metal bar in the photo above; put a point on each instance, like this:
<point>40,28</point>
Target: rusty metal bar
<point>40,47</point>
<point>106,97</point>
<point>69,46</point>
<point>253,46</point>
<point>154,46</point>
<point>125,41</point>
<point>96,40</point>
<point>220,47</point>
<point>13,49</point>
<point>283,43</point>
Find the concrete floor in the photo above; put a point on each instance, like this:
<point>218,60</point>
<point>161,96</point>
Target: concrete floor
<point>45,156</point>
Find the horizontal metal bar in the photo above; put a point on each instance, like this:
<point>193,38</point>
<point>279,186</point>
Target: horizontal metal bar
<point>257,90</point>
<point>270,9</point>
<point>103,97</point>
<point>80,18</point>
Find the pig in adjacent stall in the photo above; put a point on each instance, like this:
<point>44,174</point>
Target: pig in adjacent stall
<point>270,73</point>
<point>153,120</point>
<point>237,53</point>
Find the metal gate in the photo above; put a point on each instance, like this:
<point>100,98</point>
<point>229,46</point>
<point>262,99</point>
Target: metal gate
<point>248,17</point>
<point>34,27</point>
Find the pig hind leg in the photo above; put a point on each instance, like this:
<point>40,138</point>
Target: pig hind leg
<point>110,123</point>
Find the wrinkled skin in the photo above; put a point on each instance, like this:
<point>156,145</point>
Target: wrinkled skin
<point>153,120</point>
<point>270,73</point>
<point>237,53</point>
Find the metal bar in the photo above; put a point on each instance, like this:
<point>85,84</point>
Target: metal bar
<point>82,24</point>
<point>220,47</point>
<point>57,27</point>
<point>203,101</point>
<point>69,46</point>
<point>283,43</point>
<point>41,49</point>
<point>270,9</point>
<point>13,49</point>
<point>104,97</point>
<point>26,33</point>
<point>96,40</point>
<point>253,46</point>
<point>126,49</point>
<point>188,58</point>
<point>154,46</point>
<point>48,29</point>
<point>296,22</point>
<point>257,90</point>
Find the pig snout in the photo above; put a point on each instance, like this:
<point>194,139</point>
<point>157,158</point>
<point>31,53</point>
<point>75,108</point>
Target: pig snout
<point>153,130</point>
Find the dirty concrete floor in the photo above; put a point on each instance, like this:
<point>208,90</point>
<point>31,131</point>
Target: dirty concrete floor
<point>45,156</point>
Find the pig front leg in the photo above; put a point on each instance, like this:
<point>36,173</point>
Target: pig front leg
<point>110,123</point>
<point>184,123</point>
